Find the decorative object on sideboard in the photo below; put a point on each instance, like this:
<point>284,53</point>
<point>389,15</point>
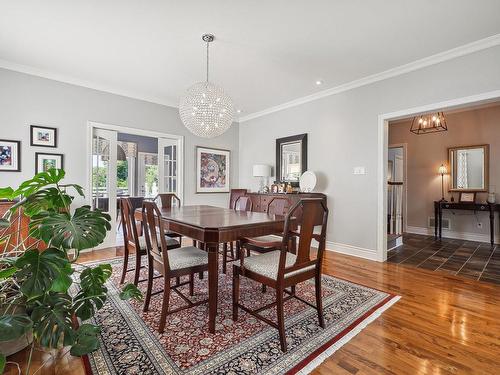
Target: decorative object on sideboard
<point>491,194</point>
<point>45,161</point>
<point>263,171</point>
<point>307,182</point>
<point>205,109</point>
<point>467,197</point>
<point>430,123</point>
<point>291,158</point>
<point>212,170</point>
<point>442,171</point>
<point>43,136</point>
<point>10,155</point>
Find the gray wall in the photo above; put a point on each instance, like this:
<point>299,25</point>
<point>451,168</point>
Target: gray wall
<point>26,100</point>
<point>342,134</point>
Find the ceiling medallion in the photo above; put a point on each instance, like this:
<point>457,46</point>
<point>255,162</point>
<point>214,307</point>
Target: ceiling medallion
<point>205,109</point>
<point>431,123</point>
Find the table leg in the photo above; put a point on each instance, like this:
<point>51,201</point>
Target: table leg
<point>440,221</point>
<point>213,276</point>
<point>436,214</point>
<point>492,227</point>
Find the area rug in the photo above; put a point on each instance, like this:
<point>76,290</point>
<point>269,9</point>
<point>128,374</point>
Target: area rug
<point>131,344</point>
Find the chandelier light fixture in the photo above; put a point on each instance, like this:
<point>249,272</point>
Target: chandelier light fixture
<point>431,123</point>
<point>205,109</point>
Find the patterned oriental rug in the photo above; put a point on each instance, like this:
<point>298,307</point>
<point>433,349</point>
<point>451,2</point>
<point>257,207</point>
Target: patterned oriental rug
<point>131,343</point>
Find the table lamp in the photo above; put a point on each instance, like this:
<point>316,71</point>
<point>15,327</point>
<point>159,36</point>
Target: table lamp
<point>442,171</point>
<point>263,171</point>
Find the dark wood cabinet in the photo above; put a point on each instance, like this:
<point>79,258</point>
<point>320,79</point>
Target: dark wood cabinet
<point>260,200</point>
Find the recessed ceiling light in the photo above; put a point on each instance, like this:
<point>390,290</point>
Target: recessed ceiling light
<point>238,110</point>
<point>319,82</point>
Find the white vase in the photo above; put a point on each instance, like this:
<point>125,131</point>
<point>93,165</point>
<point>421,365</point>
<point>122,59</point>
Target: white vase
<point>491,198</point>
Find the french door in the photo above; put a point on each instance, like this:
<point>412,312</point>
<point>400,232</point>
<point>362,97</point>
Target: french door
<point>104,177</point>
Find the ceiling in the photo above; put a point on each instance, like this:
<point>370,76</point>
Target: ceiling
<point>266,52</point>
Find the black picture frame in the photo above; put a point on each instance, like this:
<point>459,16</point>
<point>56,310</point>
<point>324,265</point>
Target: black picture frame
<point>18,155</point>
<point>302,138</point>
<point>32,141</point>
<point>38,154</point>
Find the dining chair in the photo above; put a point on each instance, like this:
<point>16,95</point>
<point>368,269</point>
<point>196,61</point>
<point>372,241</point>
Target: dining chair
<point>281,269</point>
<point>182,261</point>
<point>242,203</point>
<point>134,242</point>
<point>166,200</point>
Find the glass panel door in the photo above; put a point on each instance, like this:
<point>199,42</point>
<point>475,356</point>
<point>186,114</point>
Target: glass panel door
<point>104,178</point>
<point>168,158</point>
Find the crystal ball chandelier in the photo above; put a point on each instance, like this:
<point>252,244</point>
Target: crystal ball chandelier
<point>205,109</point>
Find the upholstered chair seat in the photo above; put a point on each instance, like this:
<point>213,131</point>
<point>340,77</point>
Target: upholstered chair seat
<point>267,264</point>
<point>185,257</point>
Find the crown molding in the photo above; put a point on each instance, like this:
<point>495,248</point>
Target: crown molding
<point>466,49</point>
<point>9,65</point>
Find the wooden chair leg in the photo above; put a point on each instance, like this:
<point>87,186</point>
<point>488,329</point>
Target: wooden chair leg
<point>264,288</point>
<point>164,306</point>
<point>224,257</point>
<point>125,265</point>
<point>292,289</point>
<point>238,249</point>
<point>281,318</point>
<point>200,275</point>
<point>236,292</point>
<point>231,247</point>
<point>194,243</point>
<point>137,266</point>
<point>319,299</point>
<point>202,247</point>
<point>191,284</point>
<point>149,287</point>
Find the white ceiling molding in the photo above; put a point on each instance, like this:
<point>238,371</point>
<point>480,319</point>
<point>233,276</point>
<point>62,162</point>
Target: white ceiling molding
<point>482,44</point>
<point>83,83</point>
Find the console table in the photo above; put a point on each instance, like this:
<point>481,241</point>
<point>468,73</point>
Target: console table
<point>439,206</point>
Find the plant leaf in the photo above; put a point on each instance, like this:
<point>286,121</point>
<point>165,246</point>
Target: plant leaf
<point>7,272</point>
<point>63,281</point>
<point>46,199</point>
<point>92,295</point>
<point>14,326</point>
<point>86,340</point>
<point>84,230</point>
<point>3,361</point>
<point>52,321</point>
<point>6,193</point>
<point>130,291</point>
<point>78,188</point>
<point>38,270</point>
<point>40,180</point>
<point>4,223</point>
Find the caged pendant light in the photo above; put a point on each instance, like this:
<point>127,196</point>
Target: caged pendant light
<point>429,123</point>
<point>205,109</point>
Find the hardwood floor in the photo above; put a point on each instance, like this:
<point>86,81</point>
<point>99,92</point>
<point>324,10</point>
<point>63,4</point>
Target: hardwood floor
<point>443,324</point>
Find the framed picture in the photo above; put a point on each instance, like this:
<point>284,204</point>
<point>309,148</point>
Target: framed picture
<point>10,155</point>
<point>43,136</point>
<point>212,170</point>
<point>467,197</point>
<point>45,161</point>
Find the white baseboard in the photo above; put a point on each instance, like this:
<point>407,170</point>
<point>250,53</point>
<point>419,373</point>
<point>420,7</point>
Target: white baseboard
<point>478,237</point>
<point>356,251</point>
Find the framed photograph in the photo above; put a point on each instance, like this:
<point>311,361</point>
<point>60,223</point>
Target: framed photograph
<point>212,170</point>
<point>467,197</point>
<point>10,155</point>
<point>43,136</point>
<point>45,161</point>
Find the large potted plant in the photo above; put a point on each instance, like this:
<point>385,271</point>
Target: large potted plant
<point>37,273</point>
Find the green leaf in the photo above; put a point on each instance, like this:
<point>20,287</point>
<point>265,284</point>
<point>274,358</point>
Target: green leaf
<point>6,193</point>
<point>130,291</point>
<point>86,340</point>
<point>8,272</point>
<point>14,326</point>
<point>92,294</point>
<point>63,281</point>
<point>52,321</point>
<point>3,361</point>
<point>39,270</point>
<point>46,199</point>
<point>4,223</point>
<point>40,180</point>
<point>84,230</point>
<point>78,188</point>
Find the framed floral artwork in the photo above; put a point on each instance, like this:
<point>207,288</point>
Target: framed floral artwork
<point>43,136</point>
<point>212,170</point>
<point>10,155</point>
<point>45,161</point>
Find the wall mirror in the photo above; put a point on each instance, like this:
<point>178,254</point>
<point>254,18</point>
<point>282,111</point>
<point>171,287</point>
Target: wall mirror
<point>291,158</point>
<point>469,168</point>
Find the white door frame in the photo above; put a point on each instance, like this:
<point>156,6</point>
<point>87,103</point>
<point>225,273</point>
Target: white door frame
<point>383,147</point>
<point>146,133</point>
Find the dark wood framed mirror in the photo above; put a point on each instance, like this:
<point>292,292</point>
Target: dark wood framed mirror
<point>291,158</point>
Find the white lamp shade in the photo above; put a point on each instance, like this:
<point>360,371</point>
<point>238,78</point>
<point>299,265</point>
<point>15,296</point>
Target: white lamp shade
<point>261,170</point>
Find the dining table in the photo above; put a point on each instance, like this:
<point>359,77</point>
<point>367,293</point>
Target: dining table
<point>212,226</point>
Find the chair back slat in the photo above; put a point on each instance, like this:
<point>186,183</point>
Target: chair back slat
<point>166,200</point>
<point>278,206</point>
<point>130,233</point>
<point>235,194</point>
<point>155,235</point>
<point>243,203</point>
<point>314,214</point>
